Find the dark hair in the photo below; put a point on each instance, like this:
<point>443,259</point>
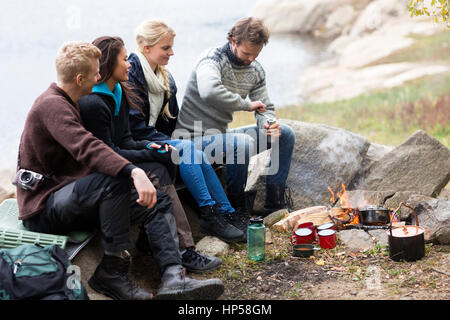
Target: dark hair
<point>249,29</point>
<point>110,48</point>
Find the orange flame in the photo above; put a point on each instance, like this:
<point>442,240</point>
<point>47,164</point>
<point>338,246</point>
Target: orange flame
<point>345,204</point>
<point>343,197</point>
<point>355,219</point>
<point>332,199</point>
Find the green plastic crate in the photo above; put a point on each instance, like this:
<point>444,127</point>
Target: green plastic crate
<point>11,238</point>
<point>14,234</point>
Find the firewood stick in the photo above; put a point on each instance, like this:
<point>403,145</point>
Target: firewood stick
<point>439,271</point>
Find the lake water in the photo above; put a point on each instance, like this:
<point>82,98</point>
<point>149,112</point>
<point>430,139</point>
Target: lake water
<point>32,31</point>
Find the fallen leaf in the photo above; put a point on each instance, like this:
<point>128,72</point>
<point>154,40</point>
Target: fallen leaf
<point>320,262</point>
<point>338,269</point>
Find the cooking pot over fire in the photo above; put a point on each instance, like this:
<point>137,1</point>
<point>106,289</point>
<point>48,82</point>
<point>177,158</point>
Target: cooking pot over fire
<point>374,215</point>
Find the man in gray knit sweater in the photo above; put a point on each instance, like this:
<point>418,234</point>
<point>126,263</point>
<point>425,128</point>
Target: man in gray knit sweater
<point>219,85</point>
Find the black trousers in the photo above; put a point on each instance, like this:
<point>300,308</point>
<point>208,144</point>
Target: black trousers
<point>98,201</point>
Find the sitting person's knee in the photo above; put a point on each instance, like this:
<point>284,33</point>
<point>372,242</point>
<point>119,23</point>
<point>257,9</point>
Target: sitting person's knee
<point>157,173</point>
<point>287,133</point>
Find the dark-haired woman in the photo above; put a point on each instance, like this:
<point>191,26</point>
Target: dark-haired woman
<point>105,113</point>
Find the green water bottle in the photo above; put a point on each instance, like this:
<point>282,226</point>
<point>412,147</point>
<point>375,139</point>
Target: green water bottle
<point>256,239</point>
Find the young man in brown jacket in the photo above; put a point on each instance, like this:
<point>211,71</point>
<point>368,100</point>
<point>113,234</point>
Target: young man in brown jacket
<point>87,185</point>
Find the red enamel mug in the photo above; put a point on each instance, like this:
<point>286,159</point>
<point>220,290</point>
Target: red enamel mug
<point>302,235</point>
<point>327,239</point>
<point>308,225</point>
<point>329,225</point>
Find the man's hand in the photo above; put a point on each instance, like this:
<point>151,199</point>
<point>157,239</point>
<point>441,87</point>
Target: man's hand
<point>274,130</point>
<point>257,106</point>
<point>144,188</point>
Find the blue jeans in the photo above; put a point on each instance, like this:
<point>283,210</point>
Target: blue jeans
<point>199,177</point>
<point>239,145</point>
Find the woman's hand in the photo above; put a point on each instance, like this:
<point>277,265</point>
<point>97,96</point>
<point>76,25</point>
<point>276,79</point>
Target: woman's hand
<point>144,187</point>
<point>158,146</point>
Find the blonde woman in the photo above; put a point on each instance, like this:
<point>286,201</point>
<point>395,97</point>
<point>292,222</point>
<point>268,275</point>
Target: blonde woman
<point>156,89</point>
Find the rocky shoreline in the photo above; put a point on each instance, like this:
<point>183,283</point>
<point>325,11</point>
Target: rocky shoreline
<point>361,33</point>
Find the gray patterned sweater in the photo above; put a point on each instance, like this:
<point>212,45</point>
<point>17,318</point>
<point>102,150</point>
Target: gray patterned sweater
<point>217,87</point>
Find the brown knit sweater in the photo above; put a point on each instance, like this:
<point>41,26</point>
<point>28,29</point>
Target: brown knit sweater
<point>55,141</point>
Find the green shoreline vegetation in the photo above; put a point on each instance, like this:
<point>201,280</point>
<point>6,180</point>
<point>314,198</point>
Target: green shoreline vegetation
<point>388,116</point>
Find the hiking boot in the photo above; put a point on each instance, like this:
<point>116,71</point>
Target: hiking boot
<point>214,223</point>
<point>239,221</point>
<point>176,285</point>
<point>241,218</point>
<point>197,263</point>
<point>112,279</point>
<point>277,199</point>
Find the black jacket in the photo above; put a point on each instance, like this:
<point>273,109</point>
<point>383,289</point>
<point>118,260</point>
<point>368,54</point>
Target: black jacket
<point>97,112</point>
<point>139,122</point>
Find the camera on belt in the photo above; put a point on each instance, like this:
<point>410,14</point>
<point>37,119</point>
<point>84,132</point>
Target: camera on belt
<point>27,179</point>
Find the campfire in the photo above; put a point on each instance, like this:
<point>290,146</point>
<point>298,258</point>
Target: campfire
<point>349,216</point>
<point>350,211</point>
<point>344,212</point>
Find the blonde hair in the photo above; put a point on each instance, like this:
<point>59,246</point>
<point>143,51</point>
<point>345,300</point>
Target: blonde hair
<point>149,33</point>
<point>75,58</point>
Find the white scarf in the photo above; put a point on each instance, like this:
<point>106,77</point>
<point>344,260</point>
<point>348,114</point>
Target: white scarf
<point>156,89</point>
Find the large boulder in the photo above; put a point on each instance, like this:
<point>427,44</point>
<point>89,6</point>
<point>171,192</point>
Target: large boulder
<point>356,240</point>
<point>374,153</point>
<point>415,171</point>
<point>323,157</point>
<point>421,164</point>
<point>445,194</point>
<point>410,198</point>
<point>434,216</point>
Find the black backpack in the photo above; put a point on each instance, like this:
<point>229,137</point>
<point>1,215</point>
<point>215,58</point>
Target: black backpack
<point>31,271</point>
